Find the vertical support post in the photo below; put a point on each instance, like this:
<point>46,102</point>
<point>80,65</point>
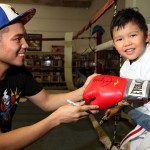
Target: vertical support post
<point>68,60</point>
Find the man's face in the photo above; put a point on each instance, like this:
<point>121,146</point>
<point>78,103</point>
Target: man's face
<point>13,45</point>
<point>129,41</point>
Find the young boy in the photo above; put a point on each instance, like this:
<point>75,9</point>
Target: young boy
<point>129,33</point>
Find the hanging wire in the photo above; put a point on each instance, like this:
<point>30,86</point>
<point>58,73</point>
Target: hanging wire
<point>115,7</point>
<point>92,49</point>
<point>95,17</point>
<point>117,118</point>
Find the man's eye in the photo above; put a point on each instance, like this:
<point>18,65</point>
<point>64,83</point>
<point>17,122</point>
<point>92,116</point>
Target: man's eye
<point>18,38</point>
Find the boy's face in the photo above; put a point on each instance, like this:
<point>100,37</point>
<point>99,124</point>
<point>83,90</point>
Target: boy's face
<point>130,41</point>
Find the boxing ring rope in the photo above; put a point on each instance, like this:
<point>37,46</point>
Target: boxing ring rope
<point>104,46</point>
<point>103,137</point>
<point>68,54</point>
<point>95,18</point>
<point>68,43</point>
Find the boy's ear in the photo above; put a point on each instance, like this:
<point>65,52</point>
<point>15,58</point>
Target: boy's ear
<point>148,36</point>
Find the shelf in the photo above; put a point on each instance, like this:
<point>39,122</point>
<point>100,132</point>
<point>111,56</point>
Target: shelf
<point>47,68</point>
<point>108,62</point>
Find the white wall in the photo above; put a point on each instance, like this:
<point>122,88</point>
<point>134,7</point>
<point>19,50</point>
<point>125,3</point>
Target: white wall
<point>143,5</point>
<point>105,19</point>
<point>54,22</point>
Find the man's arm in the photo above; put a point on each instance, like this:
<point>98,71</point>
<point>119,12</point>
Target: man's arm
<point>50,102</point>
<point>22,137</point>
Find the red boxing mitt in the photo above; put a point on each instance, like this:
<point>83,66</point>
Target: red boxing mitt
<point>106,91</point>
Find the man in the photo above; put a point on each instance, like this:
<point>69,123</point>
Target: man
<point>17,81</point>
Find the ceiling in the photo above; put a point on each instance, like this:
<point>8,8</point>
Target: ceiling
<point>63,3</point>
<point>70,3</point>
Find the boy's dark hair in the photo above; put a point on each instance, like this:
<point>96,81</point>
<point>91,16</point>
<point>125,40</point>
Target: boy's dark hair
<point>125,16</point>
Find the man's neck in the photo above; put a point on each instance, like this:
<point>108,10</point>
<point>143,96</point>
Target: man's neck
<point>3,70</point>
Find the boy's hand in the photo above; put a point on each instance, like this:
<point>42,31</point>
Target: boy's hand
<point>112,111</point>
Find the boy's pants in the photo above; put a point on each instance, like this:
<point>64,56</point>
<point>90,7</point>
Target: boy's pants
<point>137,139</point>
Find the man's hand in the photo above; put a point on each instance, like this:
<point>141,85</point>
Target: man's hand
<point>69,113</point>
<point>89,79</point>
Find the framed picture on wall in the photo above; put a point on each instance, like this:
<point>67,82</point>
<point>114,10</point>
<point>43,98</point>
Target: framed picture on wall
<point>35,42</point>
<point>57,48</point>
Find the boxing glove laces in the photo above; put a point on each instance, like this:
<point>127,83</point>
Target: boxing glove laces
<point>106,91</point>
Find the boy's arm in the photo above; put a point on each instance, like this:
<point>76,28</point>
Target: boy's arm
<point>112,111</point>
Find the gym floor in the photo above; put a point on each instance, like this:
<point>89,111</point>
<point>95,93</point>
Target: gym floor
<point>74,136</point>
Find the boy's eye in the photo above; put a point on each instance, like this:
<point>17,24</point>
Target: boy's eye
<point>118,39</point>
<point>133,35</point>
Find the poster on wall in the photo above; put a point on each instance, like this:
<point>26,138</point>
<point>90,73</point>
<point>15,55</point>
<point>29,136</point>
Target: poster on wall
<point>57,48</point>
<point>35,42</point>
